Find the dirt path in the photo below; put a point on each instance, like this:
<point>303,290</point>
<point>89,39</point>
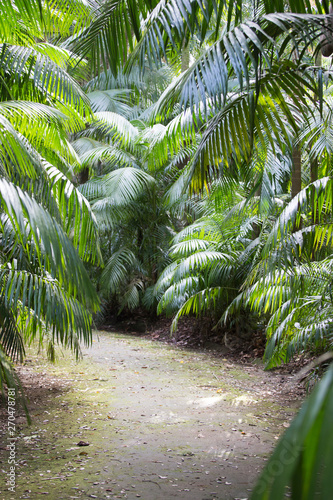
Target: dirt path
<point>161,423</point>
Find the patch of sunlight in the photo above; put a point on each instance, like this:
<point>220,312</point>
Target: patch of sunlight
<point>244,399</point>
<point>220,452</point>
<point>206,402</point>
<point>166,417</point>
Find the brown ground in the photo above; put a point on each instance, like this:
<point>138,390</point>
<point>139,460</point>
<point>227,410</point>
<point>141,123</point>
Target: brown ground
<point>161,422</point>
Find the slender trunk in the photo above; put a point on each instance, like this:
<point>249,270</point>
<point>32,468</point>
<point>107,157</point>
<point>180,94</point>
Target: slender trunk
<point>326,38</point>
<point>314,177</point>
<point>314,161</point>
<point>257,227</point>
<point>296,178</point>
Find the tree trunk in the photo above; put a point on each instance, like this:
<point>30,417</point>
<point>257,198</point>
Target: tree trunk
<point>314,161</point>
<point>326,37</point>
<point>257,227</point>
<point>314,170</point>
<point>296,178</point>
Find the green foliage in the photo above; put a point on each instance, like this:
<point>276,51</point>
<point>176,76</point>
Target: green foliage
<point>185,178</point>
<point>291,281</point>
<point>126,192</point>
<point>302,461</point>
<point>47,227</point>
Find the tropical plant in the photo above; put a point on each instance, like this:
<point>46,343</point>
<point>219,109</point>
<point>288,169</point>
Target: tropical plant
<point>247,98</point>
<point>291,281</point>
<point>47,227</point>
<point>255,99</point>
<point>301,463</point>
<point>125,187</point>
<point>207,268</point>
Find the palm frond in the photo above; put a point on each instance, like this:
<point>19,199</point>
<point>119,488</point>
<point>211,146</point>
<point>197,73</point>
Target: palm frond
<point>39,123</point>
<point>114,100</point>
<point>110,157</point>
<point>126,184</point>
<point>304,452</point>
<point>22,19</point>
<point>10,336</point>
<point>117,270</point>
<point>42,305</point>
<point>33,225</point>
<point>14,152</point>
<point>48,80</point>
<point>77,214</point>
<point>110,18</point>
<point>198,304</point>
<point>123,131</point>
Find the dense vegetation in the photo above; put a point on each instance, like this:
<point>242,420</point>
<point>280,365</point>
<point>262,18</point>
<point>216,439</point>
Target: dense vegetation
<point>173,156</point>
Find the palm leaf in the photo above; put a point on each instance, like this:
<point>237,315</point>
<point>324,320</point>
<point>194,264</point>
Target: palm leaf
<point>303,457</point>
<point>32,224</point>
<point>114,100</point>
<point>117,270</point>
<point>10,337</point>
<point>123,131</point>
<point>109,156</point>
<point>43,305</point>
<point>48,80</point>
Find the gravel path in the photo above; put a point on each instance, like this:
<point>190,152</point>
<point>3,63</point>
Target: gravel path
<point>161,423</point>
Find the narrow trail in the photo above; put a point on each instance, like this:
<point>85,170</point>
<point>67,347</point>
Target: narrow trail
<point>161,423</point>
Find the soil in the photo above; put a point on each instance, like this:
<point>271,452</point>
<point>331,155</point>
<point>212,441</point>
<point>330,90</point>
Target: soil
<point>143,419</point>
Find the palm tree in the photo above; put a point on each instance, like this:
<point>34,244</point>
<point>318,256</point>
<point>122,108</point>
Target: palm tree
<point>253,90</point>
<point>210,258</point>
<point>47,226</point>
<point>126,187</point>
<point>300,465</point>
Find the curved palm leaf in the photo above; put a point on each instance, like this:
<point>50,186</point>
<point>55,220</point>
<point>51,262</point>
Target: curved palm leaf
<point>123,131</point>
<point>76,212</point>
<point>42,304</point>
<point>109,156</point>
<point>33,225</point>
<point>303,456</point>
<point>117,269</point>
<point>22,19</point>
<point>115,100</point>
<point>48,80</point>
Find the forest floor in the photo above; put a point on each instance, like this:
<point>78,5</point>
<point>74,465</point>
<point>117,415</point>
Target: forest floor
<point>143,419</point>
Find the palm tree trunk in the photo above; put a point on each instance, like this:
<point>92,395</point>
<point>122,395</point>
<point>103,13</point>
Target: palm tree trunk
<point>314,161</point>
<point>326,38</point>
<point>257,227</point>
<point>296,178</point>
